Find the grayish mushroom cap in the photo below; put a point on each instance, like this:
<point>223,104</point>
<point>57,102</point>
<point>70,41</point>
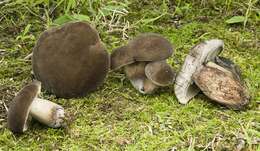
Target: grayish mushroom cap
<point>70,60</point>
<point>145,47</point>
<point>184,88</point>
<point>20,107</point>
<point>160,73</point>
<point>221,85</point>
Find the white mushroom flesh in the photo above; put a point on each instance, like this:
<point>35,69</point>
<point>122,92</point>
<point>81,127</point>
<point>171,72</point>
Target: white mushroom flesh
<point>47,112</point>
<point>138,84</point>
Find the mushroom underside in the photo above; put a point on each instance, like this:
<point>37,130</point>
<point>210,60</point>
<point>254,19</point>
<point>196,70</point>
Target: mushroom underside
<point>221,86</point>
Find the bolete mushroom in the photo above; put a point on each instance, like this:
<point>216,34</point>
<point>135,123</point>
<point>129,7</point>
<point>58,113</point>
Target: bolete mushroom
<point>222,85</point>
<point>184,87</point>
<point>160,73</point>
<point>140,52</point>
<point>135,72</point>
<point>146,77</point>
<point>70,60</point>
<point>145,47</point>
<point>26,103</point>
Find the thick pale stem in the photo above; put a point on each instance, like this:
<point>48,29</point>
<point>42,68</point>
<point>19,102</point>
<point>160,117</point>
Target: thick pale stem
<point>47,112</point>
<point>138,84</point>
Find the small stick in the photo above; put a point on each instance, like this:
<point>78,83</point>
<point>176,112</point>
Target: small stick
<point>6,108</point>
<point>28,57</point>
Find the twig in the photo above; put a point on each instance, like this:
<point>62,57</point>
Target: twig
<point>3,2</point>
<point>28,57</point>
<point>6,108</point>
<point>2,51</point>
<point>211,144</point>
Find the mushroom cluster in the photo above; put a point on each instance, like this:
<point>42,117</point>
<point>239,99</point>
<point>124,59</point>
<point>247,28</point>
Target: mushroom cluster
<point>217,77</point>
<point>26,104</point>
<point>71,61</point>
<point>144,62</point>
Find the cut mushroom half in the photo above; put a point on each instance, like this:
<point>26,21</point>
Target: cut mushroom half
<point>70,60</point>
<point>26,104</point>
<point>160,73</point>
<point>221,85</point>
<point>184,88</point>
<point>145,47</point>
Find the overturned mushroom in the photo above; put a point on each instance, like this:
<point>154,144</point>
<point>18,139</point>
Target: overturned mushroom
<point>26,102</point>
<point>71,60</point>
<point>145,47</point>
<point>222,85</point>
<point>185,88</point>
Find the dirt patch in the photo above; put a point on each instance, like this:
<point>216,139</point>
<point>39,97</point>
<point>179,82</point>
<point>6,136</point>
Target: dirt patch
<point>6,95</point>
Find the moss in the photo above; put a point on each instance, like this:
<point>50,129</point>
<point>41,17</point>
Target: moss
<point>117,117</point>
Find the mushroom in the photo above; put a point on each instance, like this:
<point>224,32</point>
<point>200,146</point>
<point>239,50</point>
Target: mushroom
<point>149,50</point>
<point>221,84</point>
<point>70,60</point>
<point>136,74</point>
<point>229,65</point>
<point>26,103</point>
<point>146,77</point>
<point>145,47</point>
<point>184,87</point>
<point>160,73</point>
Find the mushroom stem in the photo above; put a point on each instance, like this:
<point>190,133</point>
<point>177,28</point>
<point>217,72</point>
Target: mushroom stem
<point>47,112</point>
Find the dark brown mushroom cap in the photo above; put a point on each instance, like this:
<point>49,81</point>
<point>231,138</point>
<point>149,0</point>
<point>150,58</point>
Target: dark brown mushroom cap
<point>20,106</point>
<point>135,70</point>
<point>219,85</point>
<point>149,86</point>
<point>160,73</point>
<point>70,61</point>
<point>145,47</point>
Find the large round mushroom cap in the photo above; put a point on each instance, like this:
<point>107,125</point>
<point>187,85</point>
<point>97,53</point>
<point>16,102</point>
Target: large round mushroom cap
<point>221,86</point>
<point>70,61</point>
<point>160,73</point>
<point>20,107</point>
<point>145,47</point>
